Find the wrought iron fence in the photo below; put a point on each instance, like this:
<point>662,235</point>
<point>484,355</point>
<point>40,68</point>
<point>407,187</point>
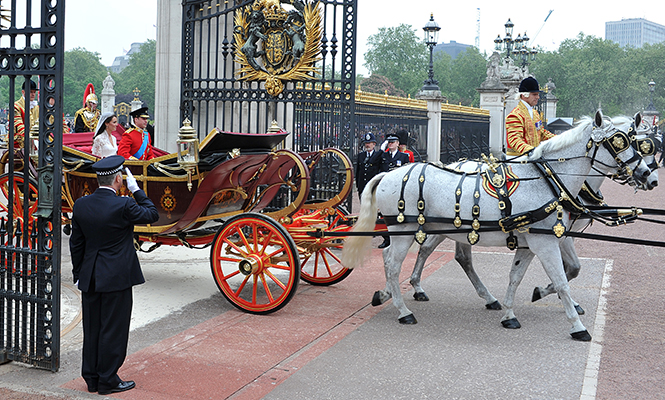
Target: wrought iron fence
<point>31,46</point>
<point>319,113</point>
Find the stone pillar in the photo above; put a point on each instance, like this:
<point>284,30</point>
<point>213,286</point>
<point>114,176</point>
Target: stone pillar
<point>108,94</point>
<point>550,101</point>
<point>434,100</point>
<point>167,74</point>
<point>493,98</point>
<point>493,101</point>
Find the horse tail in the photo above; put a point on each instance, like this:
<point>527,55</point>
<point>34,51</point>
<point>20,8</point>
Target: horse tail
<point>356,248</point>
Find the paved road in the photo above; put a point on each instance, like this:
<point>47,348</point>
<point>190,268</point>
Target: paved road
<point>188,343</point>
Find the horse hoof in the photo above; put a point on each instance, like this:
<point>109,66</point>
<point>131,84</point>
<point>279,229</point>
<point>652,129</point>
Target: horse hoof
<point>420,296</point>
<point>582,336</point>
<point>408,320</point>
<point>376,299</point>
<point>580,310</point>
<point>493,306</point>
<point>536,294</point>
<point>512,323</point>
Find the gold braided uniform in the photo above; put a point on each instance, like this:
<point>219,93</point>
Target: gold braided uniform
<point>522,132</point>
<point>19,121</point>
<point>86,120</point>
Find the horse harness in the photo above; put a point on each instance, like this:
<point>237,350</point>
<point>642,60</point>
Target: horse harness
<point>497,177</point>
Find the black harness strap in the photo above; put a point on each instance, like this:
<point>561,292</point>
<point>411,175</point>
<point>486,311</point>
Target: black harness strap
<point>474,236</point>
<point>400,204</point>
<point>458,194</point>
<point>420,234</point>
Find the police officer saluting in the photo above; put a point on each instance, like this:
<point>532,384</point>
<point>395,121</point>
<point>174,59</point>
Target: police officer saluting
<point>369,162</point>
<point>105,269</point>
<point>392,159</point>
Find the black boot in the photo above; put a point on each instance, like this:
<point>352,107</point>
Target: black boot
<point>386,242</point>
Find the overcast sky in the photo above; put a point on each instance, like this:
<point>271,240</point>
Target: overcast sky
<point>110,27</point>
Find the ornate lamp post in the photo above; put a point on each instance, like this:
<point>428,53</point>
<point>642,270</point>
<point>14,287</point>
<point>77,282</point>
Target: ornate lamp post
<point>518,48</point>
<point>652,88</point>
<point>431,30</point>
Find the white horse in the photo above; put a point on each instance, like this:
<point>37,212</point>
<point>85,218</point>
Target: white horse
<point>647,145</point>
<point>644,143</point>
<point>432,197</point>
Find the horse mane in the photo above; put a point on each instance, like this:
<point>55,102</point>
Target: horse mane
<point>563,140</point>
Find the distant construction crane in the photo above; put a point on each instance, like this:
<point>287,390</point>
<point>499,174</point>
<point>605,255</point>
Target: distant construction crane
<point>478,28</point>
<point>541,28</point>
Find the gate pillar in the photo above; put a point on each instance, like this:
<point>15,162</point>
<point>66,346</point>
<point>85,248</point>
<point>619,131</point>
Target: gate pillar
<point>434,99</point>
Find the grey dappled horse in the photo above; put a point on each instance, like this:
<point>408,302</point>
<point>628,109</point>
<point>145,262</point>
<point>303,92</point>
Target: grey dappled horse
<point>586,145</point>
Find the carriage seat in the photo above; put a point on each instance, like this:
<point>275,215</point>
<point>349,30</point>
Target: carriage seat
<point>82,141</point>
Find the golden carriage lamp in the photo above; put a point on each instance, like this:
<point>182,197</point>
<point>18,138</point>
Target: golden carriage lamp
<point>188,150</point>
<point>34,142</point>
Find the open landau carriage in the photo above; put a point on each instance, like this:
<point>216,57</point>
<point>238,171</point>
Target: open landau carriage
<point>240,195</point>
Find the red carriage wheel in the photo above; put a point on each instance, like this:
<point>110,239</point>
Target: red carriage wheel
<point>320,257</point>
<point>18,196</point>
<point>255,263</point>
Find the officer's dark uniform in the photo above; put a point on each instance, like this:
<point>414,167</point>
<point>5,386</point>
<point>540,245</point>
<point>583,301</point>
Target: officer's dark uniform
<point>106,267</point>
<point>368,165</point>
<point>390,162</point>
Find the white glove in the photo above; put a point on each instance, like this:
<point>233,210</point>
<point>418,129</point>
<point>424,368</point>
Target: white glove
<point>131,181</point>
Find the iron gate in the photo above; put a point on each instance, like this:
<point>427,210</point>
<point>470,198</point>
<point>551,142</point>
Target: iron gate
<point>31,49</point>
<point>225,86</point>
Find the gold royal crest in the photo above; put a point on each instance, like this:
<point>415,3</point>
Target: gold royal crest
<point>275,45</point>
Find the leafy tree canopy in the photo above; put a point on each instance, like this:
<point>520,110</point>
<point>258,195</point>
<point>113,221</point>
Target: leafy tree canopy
<point>381,85</point>
<point>80,68</point>
<point>399,55</point>
<point>140,73</point>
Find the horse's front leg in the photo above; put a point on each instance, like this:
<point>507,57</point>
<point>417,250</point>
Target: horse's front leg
<point>426,249</point>
<point>549,254</point>
<point>571,264</point>
<point>521,261</point>
<point>464,258</point>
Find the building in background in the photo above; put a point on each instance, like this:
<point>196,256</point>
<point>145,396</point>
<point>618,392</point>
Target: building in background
<point>121,62</point>
<point>634,32</point>
<point>452,49</point>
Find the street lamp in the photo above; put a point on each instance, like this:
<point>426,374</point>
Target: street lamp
<point>518,48</point>
<point>431,30</point>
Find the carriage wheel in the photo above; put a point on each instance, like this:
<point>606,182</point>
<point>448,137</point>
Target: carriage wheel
<point>18,197</point>
<point>255,263</point>
<point>320,257</point>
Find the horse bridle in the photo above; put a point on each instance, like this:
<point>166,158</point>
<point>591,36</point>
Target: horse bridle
<point>616,143</point>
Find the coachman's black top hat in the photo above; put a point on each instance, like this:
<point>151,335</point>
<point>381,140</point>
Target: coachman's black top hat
<point>529,85</point>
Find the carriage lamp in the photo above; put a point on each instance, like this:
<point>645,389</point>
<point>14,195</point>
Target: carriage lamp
<point>274,127</point>
<point>188,150</point>
<point>34,141</point>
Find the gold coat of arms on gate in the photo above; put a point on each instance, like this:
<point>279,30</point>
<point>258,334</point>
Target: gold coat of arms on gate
<point>275,45</point>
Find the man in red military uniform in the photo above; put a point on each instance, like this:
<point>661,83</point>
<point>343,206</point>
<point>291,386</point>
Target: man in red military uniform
<point>524,126</point>
<point>135,142</point>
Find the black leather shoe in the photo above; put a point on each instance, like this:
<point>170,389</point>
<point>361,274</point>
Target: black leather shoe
<point>122,386</point>
<point>92,389</point>
<point>385,244</point>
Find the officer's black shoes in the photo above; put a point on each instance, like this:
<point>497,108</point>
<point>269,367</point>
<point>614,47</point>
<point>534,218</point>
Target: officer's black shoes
<point>386,243</point>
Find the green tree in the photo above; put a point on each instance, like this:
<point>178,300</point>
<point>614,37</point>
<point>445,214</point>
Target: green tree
<point>464,75</point>
<point>381,85</point>
<point>80,68</point>
<point>140,73</point>
<point>398,54</point>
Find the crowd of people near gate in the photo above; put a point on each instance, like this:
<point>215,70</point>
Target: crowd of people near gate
<point>135,141</point>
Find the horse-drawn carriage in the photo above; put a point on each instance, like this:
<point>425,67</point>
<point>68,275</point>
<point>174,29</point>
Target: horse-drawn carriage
<point>234,192</point>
